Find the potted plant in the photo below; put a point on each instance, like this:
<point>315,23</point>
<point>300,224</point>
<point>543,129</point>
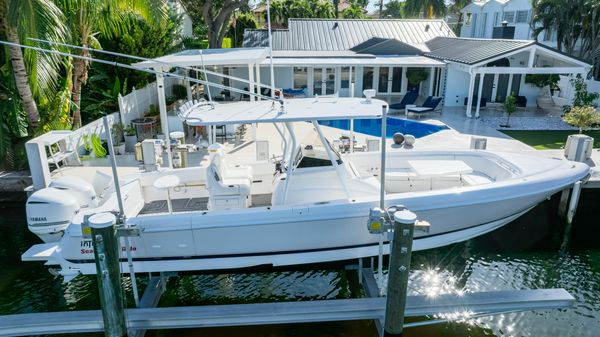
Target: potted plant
<point>510,107</point>
<point>117,133</point>
<point>546,82</point>
<point>130,138</point>
<point>153,112</point>
<point>415,76</point>
<point>582,117</point>
<point>179,91</point>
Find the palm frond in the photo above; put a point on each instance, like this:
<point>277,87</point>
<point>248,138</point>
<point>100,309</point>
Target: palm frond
<point>39,19</point>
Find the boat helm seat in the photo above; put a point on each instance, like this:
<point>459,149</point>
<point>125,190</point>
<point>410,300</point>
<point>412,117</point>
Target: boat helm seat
<point>216,154</point>
<point>226,192</point>
<point>228,171</point>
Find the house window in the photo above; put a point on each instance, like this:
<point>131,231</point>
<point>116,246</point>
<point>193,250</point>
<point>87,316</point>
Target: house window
<point>384,73</point>
<point>468,19</point>
<point>300,77</point>
<point>483,25</point>
<point>474,25</point>
<point>509,17</point>
<point>396,79</point>
<point>522,16</point>
<point>496,16</point>
<point>368,78</point>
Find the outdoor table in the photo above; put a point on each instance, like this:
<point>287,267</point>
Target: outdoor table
<point>166,183</point>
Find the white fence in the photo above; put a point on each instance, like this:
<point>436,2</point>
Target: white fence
<point>137,102</point>
<point>567,91</point>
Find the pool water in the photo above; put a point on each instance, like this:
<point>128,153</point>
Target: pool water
<point>373,126</point>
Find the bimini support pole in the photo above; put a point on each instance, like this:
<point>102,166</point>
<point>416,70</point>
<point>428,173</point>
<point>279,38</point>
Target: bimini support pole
<point>333,160</point>
<point>382,194</point>
<point>285,146</point>
<point>113,164</point>
<point>290,159</point>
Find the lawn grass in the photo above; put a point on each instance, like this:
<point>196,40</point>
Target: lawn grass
<point>548,140</point>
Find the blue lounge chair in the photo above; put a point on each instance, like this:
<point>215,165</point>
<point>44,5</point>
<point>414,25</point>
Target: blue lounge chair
<point>429,105</point>
<point>409,98</point>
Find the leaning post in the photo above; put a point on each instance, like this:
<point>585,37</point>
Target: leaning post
<point>106,253</point>
<point>401,249</point>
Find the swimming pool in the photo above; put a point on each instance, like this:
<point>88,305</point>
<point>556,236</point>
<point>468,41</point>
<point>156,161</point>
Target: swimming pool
<point>373,126</point>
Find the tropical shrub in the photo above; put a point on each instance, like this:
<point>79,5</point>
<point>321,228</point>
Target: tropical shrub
<point>243,21</point>
<point>416,75</point>
<point>582,117</point>
<point>582,96</point>
<point>542,80</point>
<point>179,91</point>
<point>510,107</point>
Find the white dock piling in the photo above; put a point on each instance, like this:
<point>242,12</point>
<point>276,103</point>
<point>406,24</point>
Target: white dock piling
<point>570,214</point>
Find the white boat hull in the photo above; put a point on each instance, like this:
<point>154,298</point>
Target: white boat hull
<point>311,233</point>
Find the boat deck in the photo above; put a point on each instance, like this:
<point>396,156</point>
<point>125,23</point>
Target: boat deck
<point>179,205</point>
<point>195,204</point>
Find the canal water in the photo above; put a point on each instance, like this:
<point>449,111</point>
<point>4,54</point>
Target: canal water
<point>523,255</point>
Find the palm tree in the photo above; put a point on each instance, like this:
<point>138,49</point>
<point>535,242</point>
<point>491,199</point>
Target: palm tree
<point>393,9</point>
<point>35,74</point>
<point>355,11</point>
<point>429,7</point>
<point>86,19</point>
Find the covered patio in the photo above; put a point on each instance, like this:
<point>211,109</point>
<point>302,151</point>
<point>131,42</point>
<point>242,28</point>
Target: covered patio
<point>496,69</point>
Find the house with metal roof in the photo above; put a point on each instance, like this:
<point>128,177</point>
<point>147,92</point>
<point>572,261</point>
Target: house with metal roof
<point>326,56</point>
<point>344,57</point>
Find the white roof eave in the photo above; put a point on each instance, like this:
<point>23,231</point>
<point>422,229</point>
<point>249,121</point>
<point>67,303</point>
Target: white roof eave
<point>399,61</point>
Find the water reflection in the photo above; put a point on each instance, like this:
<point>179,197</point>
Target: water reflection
<point>476,265</point>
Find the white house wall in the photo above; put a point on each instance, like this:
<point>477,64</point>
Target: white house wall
<point>522,30</point>
<point>457,86</point>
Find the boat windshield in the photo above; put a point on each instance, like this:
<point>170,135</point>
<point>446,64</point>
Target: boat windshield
<point>314,156</point>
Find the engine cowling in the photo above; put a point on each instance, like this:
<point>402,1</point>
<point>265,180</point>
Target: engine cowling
<point>49,213</point>
<point>82,190</point>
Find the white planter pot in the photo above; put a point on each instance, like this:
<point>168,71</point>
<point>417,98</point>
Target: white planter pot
<point>119,149</point>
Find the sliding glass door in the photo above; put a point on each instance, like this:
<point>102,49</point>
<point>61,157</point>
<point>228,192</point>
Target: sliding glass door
<point>324,81</point>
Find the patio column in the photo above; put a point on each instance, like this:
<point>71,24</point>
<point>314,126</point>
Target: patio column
<point>164,122</point>
<point>470,94</point>
<point>251,80</point>
<point>479,95</point>
<point>258,84</point>
<point>509,88</point>
<point>495,87</point>
<point>531,57</point>
<point>350,83</point>
<point>431,73</point>
<point>404,84</point>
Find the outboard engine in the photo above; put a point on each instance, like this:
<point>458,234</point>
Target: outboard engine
<point>83,191</point>
<point>49,213</point>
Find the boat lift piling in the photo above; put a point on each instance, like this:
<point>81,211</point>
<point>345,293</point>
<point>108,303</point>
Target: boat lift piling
<point>106,254</point>
<point>399,268</point>
<point>570,212</point>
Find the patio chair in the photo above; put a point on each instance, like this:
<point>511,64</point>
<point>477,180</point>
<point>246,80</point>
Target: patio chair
<point>428,106</point>
<point>409,98</point>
